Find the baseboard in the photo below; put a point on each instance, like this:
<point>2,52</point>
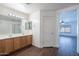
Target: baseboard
<point>57,46</point>
<point>38,46</point>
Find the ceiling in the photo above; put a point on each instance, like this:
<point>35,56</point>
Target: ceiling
<point>32,7</point>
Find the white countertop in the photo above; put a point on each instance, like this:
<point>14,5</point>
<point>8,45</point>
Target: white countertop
<point>14,35</point>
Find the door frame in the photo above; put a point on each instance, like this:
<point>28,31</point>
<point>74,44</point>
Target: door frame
<point>67,9</point>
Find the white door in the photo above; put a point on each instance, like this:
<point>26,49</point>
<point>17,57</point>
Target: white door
<point>49,31</point>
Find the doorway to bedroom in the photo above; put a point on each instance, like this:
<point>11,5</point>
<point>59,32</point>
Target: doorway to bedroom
<point>68,32</point>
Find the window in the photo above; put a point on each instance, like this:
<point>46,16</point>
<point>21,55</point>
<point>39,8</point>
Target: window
<point>66,28</point>
<point>30,25</point>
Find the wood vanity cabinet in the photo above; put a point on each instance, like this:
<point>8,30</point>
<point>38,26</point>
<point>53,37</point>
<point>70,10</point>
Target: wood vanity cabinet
<point>8,45</point>
<point>17,43</point>
<point>26,41</point>
<point>23,41</point>
<point>12,44</point>
<point>29,40</point>
<point>1,47</point>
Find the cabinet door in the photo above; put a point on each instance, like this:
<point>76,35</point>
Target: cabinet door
<point>8,45</point>
<point>1,47</point>
<point>29,40</point>
<point>26,40</point>
<point>17,44</point>
<point>23,41</point>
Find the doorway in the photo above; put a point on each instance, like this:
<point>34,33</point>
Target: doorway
<point>68,32</point>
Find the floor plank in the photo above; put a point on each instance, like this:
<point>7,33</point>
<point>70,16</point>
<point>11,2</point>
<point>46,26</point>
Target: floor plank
<point>67,47</point>
<point>34,51</point>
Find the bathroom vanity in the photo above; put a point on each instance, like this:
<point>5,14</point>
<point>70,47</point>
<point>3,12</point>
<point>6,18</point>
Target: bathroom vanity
<point>12,44</point>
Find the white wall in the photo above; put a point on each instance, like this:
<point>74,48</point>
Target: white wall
<point>35,17</point>
<point>5,11</point>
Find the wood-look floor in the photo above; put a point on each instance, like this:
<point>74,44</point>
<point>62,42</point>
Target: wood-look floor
<point>34,51</point>
<point>67,47</point>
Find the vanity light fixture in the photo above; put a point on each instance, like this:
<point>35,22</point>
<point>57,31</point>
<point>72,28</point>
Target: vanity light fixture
<point>10,14</point>
<point>13,15</point>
